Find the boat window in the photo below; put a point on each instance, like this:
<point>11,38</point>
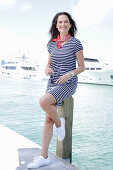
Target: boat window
<point>9,67</point>
<point>91,60</point>
<point>87,68</point>
<point>98,69</point>
<point>25,68</point>
<point>29,68</point>
<point>12,67</point>
<point>111,76</point>
<point>33,68</point>
<point>92,68</point>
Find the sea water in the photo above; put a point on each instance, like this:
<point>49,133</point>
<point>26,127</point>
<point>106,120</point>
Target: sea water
<point>92,140</point>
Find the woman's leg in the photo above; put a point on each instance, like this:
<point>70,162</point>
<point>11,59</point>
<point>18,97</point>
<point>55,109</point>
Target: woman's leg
<point>48,104</point>
<point>47,135</point>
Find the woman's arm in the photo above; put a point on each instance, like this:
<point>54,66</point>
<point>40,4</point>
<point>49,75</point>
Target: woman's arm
<point>80,62</point>
<point>48,69</point>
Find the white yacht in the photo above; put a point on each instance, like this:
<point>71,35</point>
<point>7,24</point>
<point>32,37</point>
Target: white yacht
<point>96,73</point>
<point>20,70</point>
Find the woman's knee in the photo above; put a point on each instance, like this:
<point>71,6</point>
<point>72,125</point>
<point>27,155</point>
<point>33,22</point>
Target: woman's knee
<point>46,101</point>
<point>43,102</point>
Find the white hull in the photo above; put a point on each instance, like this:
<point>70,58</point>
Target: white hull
<point>96,78</point>
<point>18,74</point>
<point>96,73</point>
<point>21,70</point>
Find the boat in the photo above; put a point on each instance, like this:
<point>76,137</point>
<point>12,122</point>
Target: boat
<point>20,70</point>
<point>96,72</point>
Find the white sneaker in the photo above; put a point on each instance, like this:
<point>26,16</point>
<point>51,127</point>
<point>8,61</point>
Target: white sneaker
<point>38,161</point>
<point>61,130</point>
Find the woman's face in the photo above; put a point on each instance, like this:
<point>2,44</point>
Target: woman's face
<point>63,24</point>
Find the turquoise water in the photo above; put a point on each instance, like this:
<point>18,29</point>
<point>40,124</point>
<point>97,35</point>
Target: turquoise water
<point>92,123</point>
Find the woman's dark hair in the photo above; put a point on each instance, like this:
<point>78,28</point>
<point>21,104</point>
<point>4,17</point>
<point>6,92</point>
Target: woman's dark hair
<point>54,31</point>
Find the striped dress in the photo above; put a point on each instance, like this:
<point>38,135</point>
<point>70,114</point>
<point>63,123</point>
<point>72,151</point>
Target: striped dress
<point>63,60</point>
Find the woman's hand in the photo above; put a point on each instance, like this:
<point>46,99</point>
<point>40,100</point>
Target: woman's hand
<point>48,70</point>
<point>63,78</point>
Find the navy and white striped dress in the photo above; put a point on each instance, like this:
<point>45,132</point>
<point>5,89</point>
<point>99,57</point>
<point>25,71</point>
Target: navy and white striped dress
<point>63,60</point>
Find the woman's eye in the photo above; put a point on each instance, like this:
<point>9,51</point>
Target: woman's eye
<point>66,21</point>
<point>62,22</point>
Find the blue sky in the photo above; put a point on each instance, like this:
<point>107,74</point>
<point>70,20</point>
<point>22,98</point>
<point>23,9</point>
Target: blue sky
<point>24,26</point>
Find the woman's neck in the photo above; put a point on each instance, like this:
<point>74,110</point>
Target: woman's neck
<point>63,35</point>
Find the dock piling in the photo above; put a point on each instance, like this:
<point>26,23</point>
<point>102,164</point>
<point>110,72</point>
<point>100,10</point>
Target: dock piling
<point>64,148</point>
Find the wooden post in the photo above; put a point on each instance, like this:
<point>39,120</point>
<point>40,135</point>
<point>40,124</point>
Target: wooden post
<point>64,148</point>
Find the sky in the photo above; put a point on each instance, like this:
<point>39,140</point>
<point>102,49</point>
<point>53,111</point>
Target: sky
<point>24,27</point>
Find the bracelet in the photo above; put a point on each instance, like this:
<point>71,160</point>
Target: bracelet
<point>72,73</point>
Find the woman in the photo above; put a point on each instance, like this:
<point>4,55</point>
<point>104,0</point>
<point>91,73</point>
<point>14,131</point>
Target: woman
<point>64,50</point>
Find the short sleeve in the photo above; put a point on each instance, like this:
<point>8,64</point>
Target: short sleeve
<point>78,45</point>
<point>49,47</point>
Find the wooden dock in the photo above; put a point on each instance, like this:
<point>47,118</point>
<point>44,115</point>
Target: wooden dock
<point>17,151</point>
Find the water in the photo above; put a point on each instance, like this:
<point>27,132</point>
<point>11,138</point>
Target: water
<point>92,123</point>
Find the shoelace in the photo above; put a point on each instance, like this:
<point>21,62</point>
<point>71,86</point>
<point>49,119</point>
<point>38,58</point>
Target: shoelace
<point>37,158</point>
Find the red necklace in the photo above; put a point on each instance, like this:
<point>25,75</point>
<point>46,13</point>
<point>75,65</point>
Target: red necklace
<point>58,40</point>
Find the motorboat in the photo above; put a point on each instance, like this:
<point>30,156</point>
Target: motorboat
<point>20,70</point>
<point>96,72</point>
